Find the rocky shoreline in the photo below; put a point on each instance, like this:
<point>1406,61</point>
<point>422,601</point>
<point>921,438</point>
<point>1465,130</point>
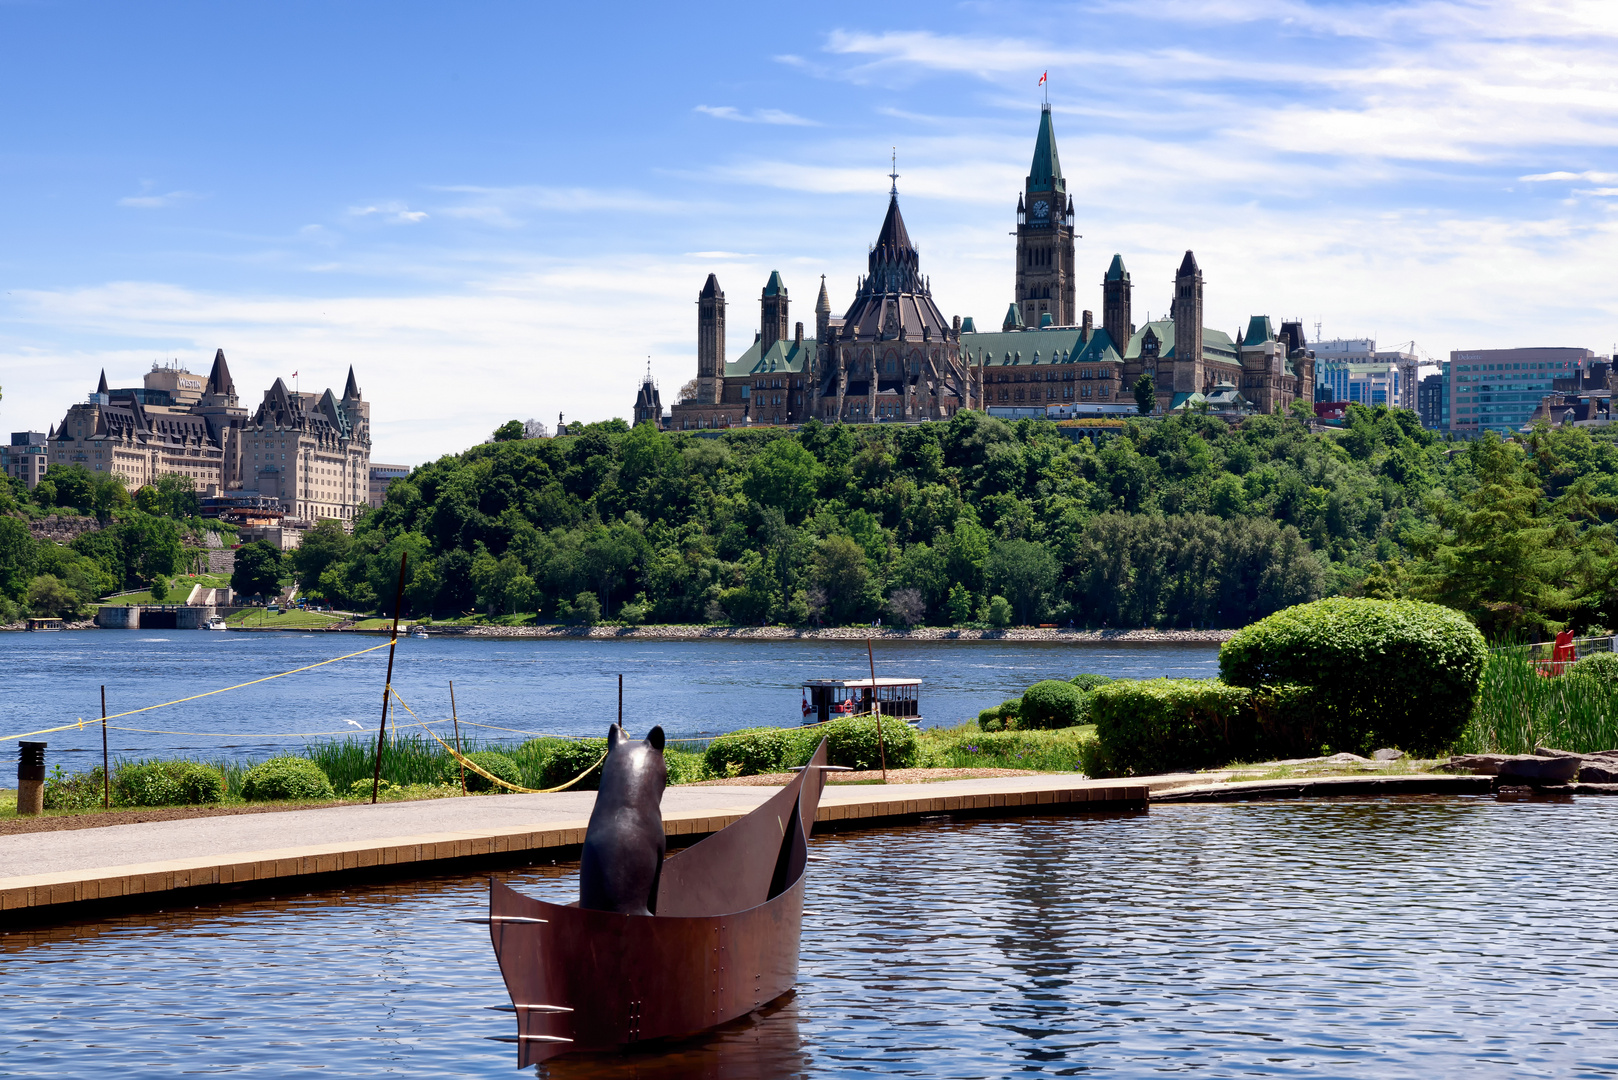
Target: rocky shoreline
<point>847,633</point>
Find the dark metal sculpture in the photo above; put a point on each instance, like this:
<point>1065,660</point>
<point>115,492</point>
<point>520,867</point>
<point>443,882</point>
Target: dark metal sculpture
<point>723,941</point>
<point>624,844</point>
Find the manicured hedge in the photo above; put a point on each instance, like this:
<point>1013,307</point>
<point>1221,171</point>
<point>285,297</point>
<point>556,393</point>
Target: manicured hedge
<point>852,742</point>
<point>754,751</point>
<point>1384,672</point>
<point>1001,717</point>
<point>1051,704</point>
<point>286,778</point>
<point>166,783</point>
<point>1163,725</point>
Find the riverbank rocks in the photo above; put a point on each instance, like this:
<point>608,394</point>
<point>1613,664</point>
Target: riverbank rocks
<point>1387,754</point>
<point>1560,768</point>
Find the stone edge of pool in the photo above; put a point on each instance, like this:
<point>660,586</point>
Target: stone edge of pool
<point>106,889</point>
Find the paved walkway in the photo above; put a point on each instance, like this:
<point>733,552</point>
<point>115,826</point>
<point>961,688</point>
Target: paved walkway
<point>50,868</point>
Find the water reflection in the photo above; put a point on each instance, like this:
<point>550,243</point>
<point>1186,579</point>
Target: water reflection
<point>1403,937</point>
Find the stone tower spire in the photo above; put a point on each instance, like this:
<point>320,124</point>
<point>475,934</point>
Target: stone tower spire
<point>822,313</point>
<point>772,313</point>
<point>1116,318</point>
<point>1189,376</point>
<point>710,341</point>
<point>1045,282</point>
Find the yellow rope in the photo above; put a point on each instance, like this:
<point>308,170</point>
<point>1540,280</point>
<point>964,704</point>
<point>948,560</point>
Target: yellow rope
<point>487,775</point>
<point>194,697</point>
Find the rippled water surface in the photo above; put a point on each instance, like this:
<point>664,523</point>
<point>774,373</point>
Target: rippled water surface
<point>566,687</point>
<point>1396,938</point>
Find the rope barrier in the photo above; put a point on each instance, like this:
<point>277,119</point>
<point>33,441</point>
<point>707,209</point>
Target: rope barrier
<point>195,697</point>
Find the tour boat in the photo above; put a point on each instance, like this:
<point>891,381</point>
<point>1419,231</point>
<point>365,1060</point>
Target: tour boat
<point>722,943</point>
<point>46,623</point>
<point>828,699</point>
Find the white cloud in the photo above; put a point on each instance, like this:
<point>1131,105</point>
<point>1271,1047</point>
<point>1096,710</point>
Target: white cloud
<point>394,212</point>
<point>1592,177</point>
<point>757,116</point>
<point>152,201</point>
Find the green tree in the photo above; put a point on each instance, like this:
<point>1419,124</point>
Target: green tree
<point>71,486</point>
<point>17,556</point>
<point>840,570</point>
<point>1024,572</point>
<point>160,588</point>
<point>509,431</point>
<point>960,605</point>
<point>179,495</point>
<point>147,500</point>
<point>258,569</point>
<point>1145,395</point>
<point>786,476</point>
<point>327,543</point>
<point>48,596</point>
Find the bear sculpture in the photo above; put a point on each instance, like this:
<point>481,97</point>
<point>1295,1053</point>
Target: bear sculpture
<point>624,843</point>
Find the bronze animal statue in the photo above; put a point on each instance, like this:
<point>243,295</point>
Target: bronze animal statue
<point>624,843</point>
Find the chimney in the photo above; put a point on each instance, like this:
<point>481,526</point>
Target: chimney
<point>1088,327</point>
<point>797,334</point>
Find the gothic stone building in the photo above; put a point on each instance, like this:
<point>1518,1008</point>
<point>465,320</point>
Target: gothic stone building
<point>891,357</point>
<point>312,452</point>
<point>1048,353</point>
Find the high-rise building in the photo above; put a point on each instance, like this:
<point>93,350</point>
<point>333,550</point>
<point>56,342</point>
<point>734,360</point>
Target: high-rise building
<point>1499,389</point>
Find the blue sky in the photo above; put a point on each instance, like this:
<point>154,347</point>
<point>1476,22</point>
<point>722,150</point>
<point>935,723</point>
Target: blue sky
<point>498,210</point>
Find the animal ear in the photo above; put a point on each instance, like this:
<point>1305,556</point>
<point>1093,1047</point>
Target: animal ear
<point>655,737</point>
<point>615,735</point>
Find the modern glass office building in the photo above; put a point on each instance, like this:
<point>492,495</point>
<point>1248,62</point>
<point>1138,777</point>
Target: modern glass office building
<point>1499,389</point>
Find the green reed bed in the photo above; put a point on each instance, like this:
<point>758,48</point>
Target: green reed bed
<point>968,748</point>
<point>1519,709</point>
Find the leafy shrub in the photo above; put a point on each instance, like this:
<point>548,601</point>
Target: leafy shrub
<point>997,612</point>
<point>752,752</point>
<point>853,742</point>
<point>1046,751</point>
<point>1288,721</point>
<point>166,783</point>
<point>286,778</point>
<point>361,789</point>
<point>1050,704</point>
<point>80,791</point>
<point>1001,717</point>
<point>1157,725</point>
<point>551,762</point>
<point>1386,672</point>
<point>685,767</point>
<point>1088,682</point>
<point>1602,666</point>
<point>491,761</point>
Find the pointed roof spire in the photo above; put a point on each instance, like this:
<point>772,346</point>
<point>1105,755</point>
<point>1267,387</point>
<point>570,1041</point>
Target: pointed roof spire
<point>1013,319</point>
<point>894,239</point>
<point>894,175</point>
<point>774,286</point>
<point>219,380</point>
<point>1116,271</point>
<point>823,302</point>
<point>101,387</point>
<point>1188,265</point>
<point>352,390</point>
<point>1046,172</point>
<point>711,287</point>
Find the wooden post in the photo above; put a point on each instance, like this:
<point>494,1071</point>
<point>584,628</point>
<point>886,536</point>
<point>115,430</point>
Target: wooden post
<point>620,699</point>
<point>876,707</point>
<point>106,772</point>
<point>456,718</point>
<point>387,687</point>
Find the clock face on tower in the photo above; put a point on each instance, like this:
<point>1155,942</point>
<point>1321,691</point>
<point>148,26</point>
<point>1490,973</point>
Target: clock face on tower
<point>1042,210</point>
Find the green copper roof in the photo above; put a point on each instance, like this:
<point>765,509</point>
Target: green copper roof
<point>784,357</point>
<point>1216,344</point>
<point>967,326</point>
<point>1259,330</point>
<point>1116,271</point>
<point>1060,345</point>
<point>774,287</point>
<point>1046,172</point>
<point>1013,318</point>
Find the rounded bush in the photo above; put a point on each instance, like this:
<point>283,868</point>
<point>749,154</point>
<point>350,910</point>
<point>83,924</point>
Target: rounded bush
<point>167,783</point>
<point>1384,672</point>
<point>361,789</point>
<point>853,742</point>
<point>1050,704</point>
<point>286,778</point>
<point>550,762</point>
<point>1601,665</point>
<point>491,761</point>
<point>1088,682</point>
<point>752,752</point>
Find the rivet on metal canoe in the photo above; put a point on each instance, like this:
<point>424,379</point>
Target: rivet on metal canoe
<point>723,941</point>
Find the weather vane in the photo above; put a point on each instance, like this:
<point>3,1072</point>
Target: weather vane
<point>895,173</point>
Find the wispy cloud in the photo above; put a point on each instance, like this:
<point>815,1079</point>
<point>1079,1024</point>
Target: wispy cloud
<point>395,213</point>
<point>756,116</point>
<point>1591,177</point>
<point>150,200</point>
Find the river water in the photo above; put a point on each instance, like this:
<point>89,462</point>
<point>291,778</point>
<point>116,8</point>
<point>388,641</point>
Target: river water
<point>565,687</point>
<point>1406,937</point>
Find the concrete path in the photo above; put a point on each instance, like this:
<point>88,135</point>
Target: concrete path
<point>47,869</point>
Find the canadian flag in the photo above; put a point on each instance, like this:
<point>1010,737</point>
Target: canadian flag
<point>1042,77</point>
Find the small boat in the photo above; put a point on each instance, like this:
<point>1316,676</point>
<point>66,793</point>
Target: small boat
<point>829,699</point>
<point>722,942</point>
<point>45,624</point>
<point>418,631</point>
<point>216,623</point>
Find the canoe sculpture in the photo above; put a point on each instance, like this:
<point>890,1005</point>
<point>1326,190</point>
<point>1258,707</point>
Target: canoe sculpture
<point>722,941</point>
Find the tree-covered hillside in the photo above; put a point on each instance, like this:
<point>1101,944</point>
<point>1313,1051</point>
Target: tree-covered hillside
<point>1180,522</point>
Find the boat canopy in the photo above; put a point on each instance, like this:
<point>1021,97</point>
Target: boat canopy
<point>827,699</point>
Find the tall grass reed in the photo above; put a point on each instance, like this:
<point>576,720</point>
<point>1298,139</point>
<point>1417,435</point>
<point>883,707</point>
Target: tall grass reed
<point>1520,709</point>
